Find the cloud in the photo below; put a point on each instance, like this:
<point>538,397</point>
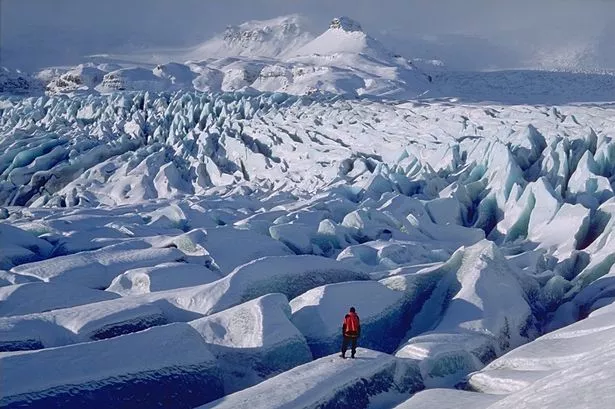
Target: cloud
<point>468,34</point>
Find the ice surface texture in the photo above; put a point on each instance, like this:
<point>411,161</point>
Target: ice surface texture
<point>248,224</point>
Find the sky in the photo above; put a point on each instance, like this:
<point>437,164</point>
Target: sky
<point>465,34</point>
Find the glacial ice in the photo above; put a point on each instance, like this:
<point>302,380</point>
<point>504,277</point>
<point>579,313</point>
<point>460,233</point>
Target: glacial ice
<point>329,382</point>
<point>161,277</point>
<point>546,373</point>
<point>253,341</point>
<point>318,314</point>
<point>467,231</point>
<point>477,311</point>
<point>168,364</point>
<point>28,298</point>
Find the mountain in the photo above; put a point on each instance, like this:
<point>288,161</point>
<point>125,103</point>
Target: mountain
<point>276,55</point>
<point>18,83</point>
<point>345,36</point>
<point>268,38</point>
<point>280,55</point>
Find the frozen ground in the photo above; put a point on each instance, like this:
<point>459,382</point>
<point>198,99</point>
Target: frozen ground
<point>208,244</point>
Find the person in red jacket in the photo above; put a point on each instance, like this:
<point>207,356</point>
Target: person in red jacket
<point>351,331</point>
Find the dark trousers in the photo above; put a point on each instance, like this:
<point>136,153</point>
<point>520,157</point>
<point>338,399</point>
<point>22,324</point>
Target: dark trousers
<point>352,341</point>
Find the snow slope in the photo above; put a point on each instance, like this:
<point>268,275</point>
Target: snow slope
<point>572,366</point>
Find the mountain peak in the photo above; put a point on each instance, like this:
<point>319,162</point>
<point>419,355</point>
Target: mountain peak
<point>346,24</point>
<point>286,26</point>
<point>262,38</point>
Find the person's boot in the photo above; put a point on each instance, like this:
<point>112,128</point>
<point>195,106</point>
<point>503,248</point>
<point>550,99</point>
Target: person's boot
<point>343,356</point>
<point>352,356</point>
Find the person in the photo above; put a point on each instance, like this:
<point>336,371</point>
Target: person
<point>351,331</point>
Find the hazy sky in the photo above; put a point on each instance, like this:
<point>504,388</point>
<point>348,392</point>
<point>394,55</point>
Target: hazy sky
<point>468,34</point>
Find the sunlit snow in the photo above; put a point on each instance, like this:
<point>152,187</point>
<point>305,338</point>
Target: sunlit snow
<point>191,234</point>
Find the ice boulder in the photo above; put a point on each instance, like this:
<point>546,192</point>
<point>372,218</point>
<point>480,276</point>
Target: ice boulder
<point>331,236</point>
<point>445,211</point>
<point>97,268</point>
<point>478,310</point>
<point>297,236</point>
<point>289,275</point>
<point>18,246</point>
<point>565,233</point>
<point>253,341</point>
<point>329,382</point>
<point>169,366</point>
<point>382,255</point>
<point>413,216</point>
<point>246,246</point>
<point>106,319</point>
<point>586,182</point>
<point>600,251</point>
<point>319,313</point>
<point>596,295</point>
<point>22,299</point>
<point>162,277</point>
<point>365,225</point>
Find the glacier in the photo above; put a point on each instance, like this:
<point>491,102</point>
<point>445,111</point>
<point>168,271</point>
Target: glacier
<point>461,241</point>
<point>191,234</point>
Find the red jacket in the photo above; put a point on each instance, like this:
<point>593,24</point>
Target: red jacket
<point>351,326</point>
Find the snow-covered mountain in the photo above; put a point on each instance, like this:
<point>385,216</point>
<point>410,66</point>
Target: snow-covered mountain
<point>273,38</point>
<point>280,55</point>
<point>18,83</point>
<point>344,36</point>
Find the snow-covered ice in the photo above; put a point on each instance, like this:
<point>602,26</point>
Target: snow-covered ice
<point>194,228</point>
<point>328,382</point>
<point>318,314</point>
<point>20,299</point>
<point>570,367</point>
<point>254,341</point>
<point>168,364</point>
<point>162,277</point>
